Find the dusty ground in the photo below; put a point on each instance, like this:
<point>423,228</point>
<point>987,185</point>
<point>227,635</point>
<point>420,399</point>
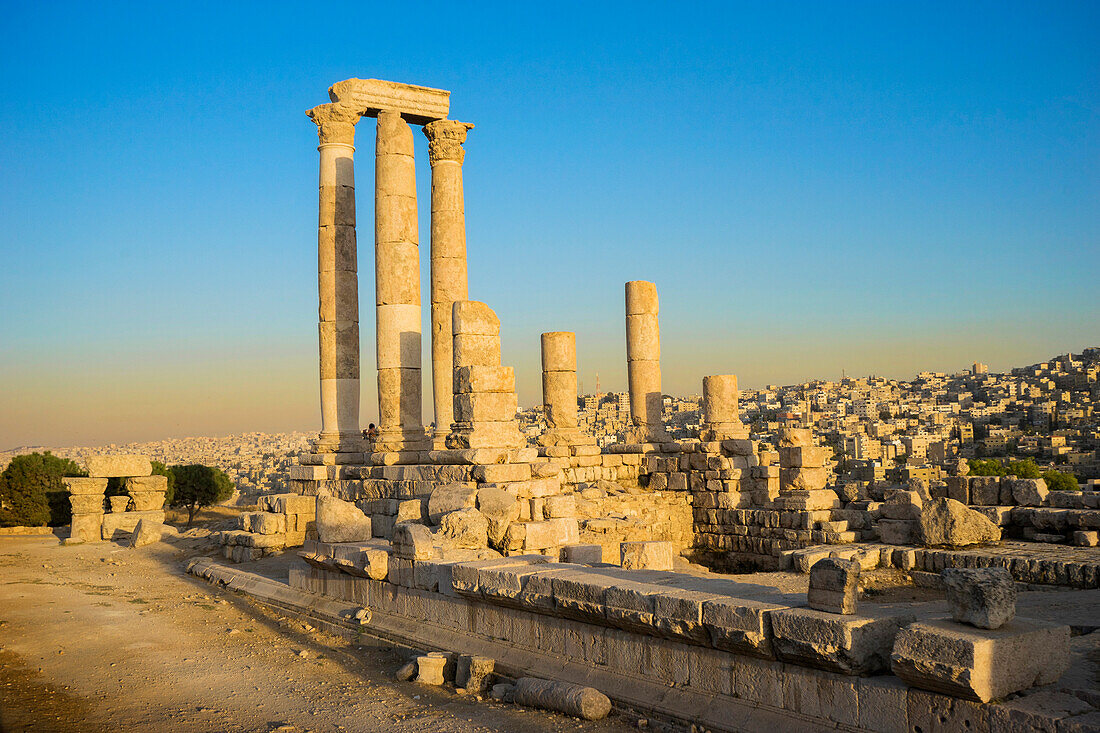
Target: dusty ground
<point>100,637</point>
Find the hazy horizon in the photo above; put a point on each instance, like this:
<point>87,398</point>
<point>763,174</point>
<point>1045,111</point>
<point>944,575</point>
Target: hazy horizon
<point>879,189</point>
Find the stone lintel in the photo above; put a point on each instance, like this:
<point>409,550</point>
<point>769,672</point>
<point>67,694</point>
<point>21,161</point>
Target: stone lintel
<point>417,104</point>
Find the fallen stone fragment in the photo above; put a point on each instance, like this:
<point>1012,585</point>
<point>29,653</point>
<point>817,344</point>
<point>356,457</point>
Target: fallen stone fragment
<point>146,533</point>
<point>1029,491</point>
<point>429,669</point>
<point>341,521</point>
<point>951,523</point>
<point>834,585</point>
<point>982,597</point>
<point>464,528</point>
<point>646,555</point>
<point>583,702</point>
<point>473,674</point>
<point>406,672</point>
<point>502,692</point>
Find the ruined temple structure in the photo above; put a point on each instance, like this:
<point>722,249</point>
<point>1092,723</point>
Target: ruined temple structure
<point>564,558</point>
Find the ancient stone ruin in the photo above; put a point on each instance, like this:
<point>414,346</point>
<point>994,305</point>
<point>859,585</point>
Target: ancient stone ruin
<point>566,553</point>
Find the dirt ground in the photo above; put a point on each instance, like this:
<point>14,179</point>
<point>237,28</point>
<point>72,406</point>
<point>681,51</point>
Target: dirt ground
<point>100,637</point>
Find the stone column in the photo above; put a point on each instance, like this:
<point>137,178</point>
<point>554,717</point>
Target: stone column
<point>559,388</point>
<point>397,288</point>
<point>643,354</point>
<point>86,497</point>
<point>337,281</point>
<point>448,259</point>
<point>721,418</point>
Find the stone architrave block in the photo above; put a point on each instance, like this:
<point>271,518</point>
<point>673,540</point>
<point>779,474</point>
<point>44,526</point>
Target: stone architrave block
<point>982,597</point>
<point>118,466</point>
<point>980,664</point>
<point>857,645</point>
<point>647,555</point>
<point>834,585</point>
<point>79,485</point>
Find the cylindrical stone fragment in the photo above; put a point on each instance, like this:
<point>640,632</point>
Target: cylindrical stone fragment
<point>583,702</point>
<point>720,397</point>
<point>397,286</point>
<point>643,348</point>
<point>559,351</point>
<point>337,279</point>
<point>559,399</point>
<point>448,257</point>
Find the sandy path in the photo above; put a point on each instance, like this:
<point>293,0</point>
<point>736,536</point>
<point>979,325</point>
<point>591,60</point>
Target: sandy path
<point>98,637</point>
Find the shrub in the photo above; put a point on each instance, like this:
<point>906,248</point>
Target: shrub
<point>31,492</point>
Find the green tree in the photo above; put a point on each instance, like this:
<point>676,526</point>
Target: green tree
<point>199,486</point>
<point>31,492</point>
<point>1024,469</point>
<point>987,467</point>
<point>1061,480</point>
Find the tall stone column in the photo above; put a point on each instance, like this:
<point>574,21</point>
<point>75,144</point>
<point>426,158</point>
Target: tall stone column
<point>337,281</point>
<point>643,354</point>
<point>397,288</point>
<point>448,259</point>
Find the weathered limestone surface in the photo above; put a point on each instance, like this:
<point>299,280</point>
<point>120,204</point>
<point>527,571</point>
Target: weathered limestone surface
<point>473,674</point>
<point>647,555</point>
<point>483,419</point>
<point>850,644</point>
<point>79,485</point>
<point>341,521</point>
<point>397,288</point>
<point>583,702</point>
<point>559,388</point>
<point>417,104</point>
<point>429,669</point>
<point>643,354</point>
<point>721,413</point>
<point>834,585</point>
<point>979,664</point>
<point>947,522</point>
<point>146,533</point>
<point>448,258</point>
<point>117,466</point>
<point>982,597</point>
<point>337,280</point>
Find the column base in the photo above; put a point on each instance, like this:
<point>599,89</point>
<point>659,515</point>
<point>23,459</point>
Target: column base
<point>402,440</point>
<point>723,431</point>
<point>338,443</point>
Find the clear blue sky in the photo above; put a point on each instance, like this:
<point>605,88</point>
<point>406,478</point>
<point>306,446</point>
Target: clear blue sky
<point>875,187</point>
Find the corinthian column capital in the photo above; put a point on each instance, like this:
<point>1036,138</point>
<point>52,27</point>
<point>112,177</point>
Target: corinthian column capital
<point>335,123</point>
<point>445,138</point>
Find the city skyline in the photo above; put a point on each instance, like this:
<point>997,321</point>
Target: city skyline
<point>885,202</point>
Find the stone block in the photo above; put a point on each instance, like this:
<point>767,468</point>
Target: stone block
<point>502,472</point>
<point>931,713</point>
<point>118,526</point>
<point>81,486</point>
<point>978,664</point>
<point>563,506</point>
<point>582,554</point>
<point>154,483</point>
<point>802,479</point>
<point>985,490</point>
<point>1028,491</point>
<point>883,704</point>
<point>740,625</point>
<point>451,497</point>
<point>485,407</point>
<point>473,674</point>
<point>465,528</point>
<point>413,542</point>
<point>474,317</point>
<point>834,585</point>
<point>801,457</point>
<point>982,597</point>
<point>550,533</point>
<point>650,555</point>
<point>953,524</point>
<point>87,527</point>
<point>411,510</point>
<point>1086,538</point>
<point>145,501</point>
<point>858,645</point>
<point>958,488</point>
<point>341,521</point>
<point>474,350</point>
<point>118,466</point>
